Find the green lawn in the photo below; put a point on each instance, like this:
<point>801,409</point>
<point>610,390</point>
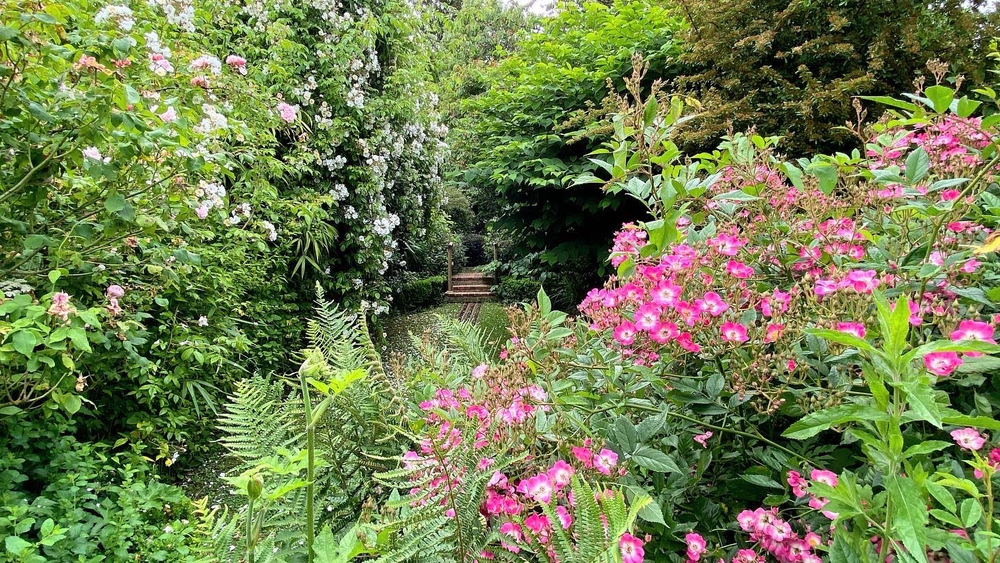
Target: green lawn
<point>492,318</point>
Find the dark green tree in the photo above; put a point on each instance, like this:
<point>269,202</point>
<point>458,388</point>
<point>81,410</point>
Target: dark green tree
<point>791,68</point>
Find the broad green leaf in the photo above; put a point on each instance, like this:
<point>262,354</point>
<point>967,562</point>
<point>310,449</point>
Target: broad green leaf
<point>655,460</point>
<point>626,434</point>
<point>72,404</point>
<point>842,338</point>
<point>892,102</point>
<point>544,303</point>
<point>762,481</point>
<point>115,203</point>
<point>16,546</point>
<point>24,341</point>
<point>942,495</point>
<point>927,447</point>
<point>971,512</point>
<point>921,399</point>
<point>909,515</point>
<point>918,163</point>
<point>814,423</point>
<point>842,551</point>
<point>940,97</point>
<point>827,176</point>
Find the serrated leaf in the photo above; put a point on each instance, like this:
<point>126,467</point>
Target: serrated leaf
<point>909,519</point>
<point>814,423</point>
<point>655,460</point>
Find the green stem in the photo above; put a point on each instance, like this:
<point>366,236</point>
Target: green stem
<point>249,532</point>
<point>310,466</point>
<point>754,435</point>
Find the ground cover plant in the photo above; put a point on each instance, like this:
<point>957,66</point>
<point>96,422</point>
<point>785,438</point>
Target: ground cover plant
<point>209,209</point>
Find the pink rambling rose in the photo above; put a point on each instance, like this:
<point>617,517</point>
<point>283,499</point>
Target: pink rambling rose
<point>942,363</point>
<point>703,438</point>
<point>288,112</point>
<point>852,328</point>
<point>631,548</point>
<point>968,439</point>
<point>733,332</point>
<point>696,546</point>
<point>605,460</point>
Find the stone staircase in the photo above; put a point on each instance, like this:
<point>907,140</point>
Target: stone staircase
<point>470,287</point>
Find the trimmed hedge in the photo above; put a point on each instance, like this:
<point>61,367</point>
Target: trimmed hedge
<point>417,294</point>
<point>516,290</point>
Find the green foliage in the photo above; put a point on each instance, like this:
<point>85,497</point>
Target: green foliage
<point>421,293</point>
<point>810,58</point>
<point>62,499</point>
<point>265,426</point>
<point>517,290</point>
<point>523,141</point>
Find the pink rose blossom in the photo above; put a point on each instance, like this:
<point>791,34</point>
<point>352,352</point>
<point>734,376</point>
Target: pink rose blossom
<point>605,460</point>
<point>631,548</point>
<point>942,363</point>
<point>695,546</point>
<point>288,112</point>
<point>968,439</point>
<point>852,328</point>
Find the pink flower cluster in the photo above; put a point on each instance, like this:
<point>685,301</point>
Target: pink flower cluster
<point>800,484</point>
<point>604,461</point>
<point>60,306</point>
<point>114,293</point>
<point>628,241</point>
<point>775,536</point>
<point>515,504</point>
<point>944,364</point>
<point>660,305</point>
<point>947,142</point>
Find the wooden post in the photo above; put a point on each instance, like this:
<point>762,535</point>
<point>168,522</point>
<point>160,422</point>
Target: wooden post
<point>451,256</point>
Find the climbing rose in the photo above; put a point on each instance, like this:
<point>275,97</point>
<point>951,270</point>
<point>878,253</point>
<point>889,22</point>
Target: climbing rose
<point>631,548</point>
<point>560,473</point>
<point>169,116</point>
<point>797,483</point>
<point>288,112</point>
<point>733,332</point>
<point>695,546</point>
<point>703,438</point>
<point>479,371</point>
<point>60,306</point>
<point>854,329</point>
<point>973,330</point>
<point>605,460</point>
<point>237,63</point>
<point>115,291</point>
<point>828,478</point>
<point>968,439</point>
<point>942,363</point>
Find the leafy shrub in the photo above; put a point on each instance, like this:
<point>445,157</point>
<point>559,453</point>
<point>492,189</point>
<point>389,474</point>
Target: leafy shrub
<point>418,294</point>
<point>62,499</point>
<point>517,290</point>
<point>199,162</point>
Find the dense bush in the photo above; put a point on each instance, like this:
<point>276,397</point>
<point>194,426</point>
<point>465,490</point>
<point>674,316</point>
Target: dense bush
<point>169,165</point>
<point>517,290</point>
<point>420,293</point>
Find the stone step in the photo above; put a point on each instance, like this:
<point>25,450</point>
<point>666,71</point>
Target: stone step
<point>467,296</point>
<point>473,276</point>
<point>471,287</point>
